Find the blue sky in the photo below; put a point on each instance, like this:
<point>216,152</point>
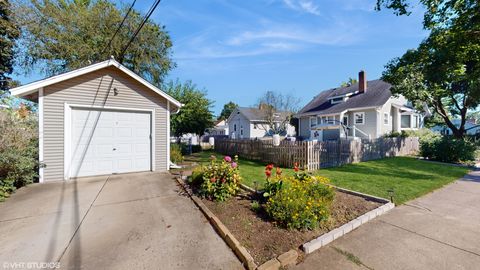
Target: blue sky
<point>236,50</point>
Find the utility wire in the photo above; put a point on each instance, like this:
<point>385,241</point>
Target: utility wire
<point>119,27</point>
<point>147,16</point>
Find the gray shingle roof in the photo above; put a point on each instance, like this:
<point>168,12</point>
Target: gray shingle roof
<point>255,114</point>
<point>378,92</point>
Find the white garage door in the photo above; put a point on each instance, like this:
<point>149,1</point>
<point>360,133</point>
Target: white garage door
<point>106,142</point>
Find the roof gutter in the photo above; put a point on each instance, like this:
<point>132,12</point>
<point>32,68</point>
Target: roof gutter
<point>336,113</point>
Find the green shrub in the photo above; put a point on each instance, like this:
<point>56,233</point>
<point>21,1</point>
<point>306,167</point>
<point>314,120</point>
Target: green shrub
<point>256,206</point>
<point>18,151</point>
<point>301,204</point>
<point>196,178</point>
<point>221,179</point>
<point>176,153</point>
<point>447,149</point>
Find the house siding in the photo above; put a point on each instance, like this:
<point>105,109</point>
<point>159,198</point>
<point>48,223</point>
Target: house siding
<point>241,121</point>
<point>96,89</point>
<point>370,125</point>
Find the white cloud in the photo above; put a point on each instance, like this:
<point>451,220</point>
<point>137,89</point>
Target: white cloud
<point>267,35</point>
<point>307,6</point>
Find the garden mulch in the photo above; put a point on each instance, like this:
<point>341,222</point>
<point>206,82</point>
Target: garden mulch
<point>265,240</point>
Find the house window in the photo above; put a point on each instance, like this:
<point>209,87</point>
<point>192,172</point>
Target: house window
<point>331,120</point>
<point>386,118</point>
<point>405,121</point>
<point>415,121</point>
<point>345,120</point>
<point>359,118</point>
<point>336,100</point>
<point>241,130</point>
<point>313,121</point>
<point>234,127</point>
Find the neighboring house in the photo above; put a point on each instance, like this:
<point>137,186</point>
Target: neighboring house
<point>99,120</point>
<point>471,127</point>
<point>246,123</point>
<point>362,110</point>
<point>220,128</point>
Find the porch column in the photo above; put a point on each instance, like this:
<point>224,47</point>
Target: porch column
<point>396,119</point>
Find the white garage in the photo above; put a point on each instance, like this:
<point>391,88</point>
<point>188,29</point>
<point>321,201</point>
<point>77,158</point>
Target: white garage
<point>99,120</point>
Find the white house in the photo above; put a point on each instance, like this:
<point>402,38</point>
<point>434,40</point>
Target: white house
<point>362,110</point>
<point>471,128</point>
<point>98,120</point>
<point>220,128</point>
<point>246,123</point>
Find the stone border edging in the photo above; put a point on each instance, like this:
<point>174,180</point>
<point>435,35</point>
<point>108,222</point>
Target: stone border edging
<point>286,259</point>
<point>223,231</point>
<point>363,195</point>
<point>249,189</point>
<point>336,233</point>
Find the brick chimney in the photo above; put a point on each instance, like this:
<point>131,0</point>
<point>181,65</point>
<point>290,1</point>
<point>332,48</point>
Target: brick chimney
<point>362,82</point>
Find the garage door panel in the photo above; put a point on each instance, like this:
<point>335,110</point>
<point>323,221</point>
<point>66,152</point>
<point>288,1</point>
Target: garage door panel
<point>105,142</point>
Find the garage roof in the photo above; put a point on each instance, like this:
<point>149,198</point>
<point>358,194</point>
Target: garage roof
<point>33,87</point>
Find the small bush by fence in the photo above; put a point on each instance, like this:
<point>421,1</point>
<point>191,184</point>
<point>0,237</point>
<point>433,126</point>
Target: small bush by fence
<point>314,155</point>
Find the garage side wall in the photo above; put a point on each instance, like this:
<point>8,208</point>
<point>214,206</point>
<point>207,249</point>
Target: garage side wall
<point>97,89</point>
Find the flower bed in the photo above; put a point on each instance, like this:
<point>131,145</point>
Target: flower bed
<point>265,239</point>
<point>291,211</point>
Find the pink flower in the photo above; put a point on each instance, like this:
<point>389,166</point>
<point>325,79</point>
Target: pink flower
<point>223,180</point>
<point>234,165</point>
<point>227,159</point>
<point>213,180</point>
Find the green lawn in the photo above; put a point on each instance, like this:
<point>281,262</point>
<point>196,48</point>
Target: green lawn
<point>409,177</point>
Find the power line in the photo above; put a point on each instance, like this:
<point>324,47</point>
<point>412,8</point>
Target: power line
<point>119,27</point>
<point>145,19</point>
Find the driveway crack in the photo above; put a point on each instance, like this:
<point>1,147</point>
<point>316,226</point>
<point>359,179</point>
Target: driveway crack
<point>430,238</point>
<point>81,221</point>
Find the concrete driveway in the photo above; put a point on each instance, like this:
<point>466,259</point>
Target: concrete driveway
<point>131,221</point>
<point>438,231</point>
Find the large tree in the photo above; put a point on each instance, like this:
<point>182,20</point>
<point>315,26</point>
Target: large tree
<point>195,116</point>
<point>227,110</point>
<point>278,110</point>
<point>8,34</point>
<point>444,71</point>
<point>61,35</point>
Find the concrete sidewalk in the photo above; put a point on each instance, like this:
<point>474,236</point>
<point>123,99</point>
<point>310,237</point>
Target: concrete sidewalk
<point>438,231</point>
<point>131,221</point>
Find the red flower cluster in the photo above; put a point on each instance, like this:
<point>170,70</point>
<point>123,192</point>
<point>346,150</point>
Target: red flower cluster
<point>295,167</point>
<point>268,170</point>
<point>278,171</point>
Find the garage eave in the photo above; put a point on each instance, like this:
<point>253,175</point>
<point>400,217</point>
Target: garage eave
<point>34,87</point>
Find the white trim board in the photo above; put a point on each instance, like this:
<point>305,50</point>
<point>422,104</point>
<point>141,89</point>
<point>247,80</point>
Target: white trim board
<point>40,135</point>
<point>67,132</point>
<point>35,86</point>
<point>168,135</point>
